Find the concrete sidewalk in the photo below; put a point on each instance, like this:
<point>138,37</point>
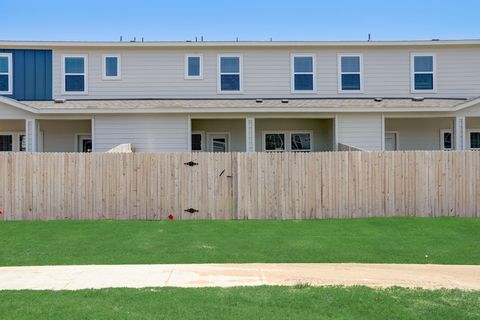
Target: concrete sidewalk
<point>230,275</point>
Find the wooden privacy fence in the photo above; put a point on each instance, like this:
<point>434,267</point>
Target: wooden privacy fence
<point>239,185</point>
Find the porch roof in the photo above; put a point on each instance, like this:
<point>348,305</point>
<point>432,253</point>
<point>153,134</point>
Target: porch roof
<point>245,105</point>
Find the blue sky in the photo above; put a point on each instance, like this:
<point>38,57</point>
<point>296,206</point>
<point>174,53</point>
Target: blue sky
<point>245,19</point>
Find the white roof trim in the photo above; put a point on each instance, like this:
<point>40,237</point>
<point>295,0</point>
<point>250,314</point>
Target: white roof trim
<point>241,110</point>
<point>258,109</point>
<point>467,104</point>
<point>55,44</point>
<point>17,104</point>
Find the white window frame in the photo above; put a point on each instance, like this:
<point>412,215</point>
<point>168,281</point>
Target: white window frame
<point>209,136</point>
<point>81,137</point>
<point>290,133</point>
<point>293,73</point>
<point>15,138</point>
<point>288,140</point>
<point>340,73</point>
<point>219,73</point>
<point>202,142</point>
<point>397,139</point>
<point>442,139</point>
<point>264,144</point>
<point>469,142</point>
<point>200,76</point>
<point>412,72</point>
<point>9,73</point>
<point>119,67</point>
<point>85,74</point>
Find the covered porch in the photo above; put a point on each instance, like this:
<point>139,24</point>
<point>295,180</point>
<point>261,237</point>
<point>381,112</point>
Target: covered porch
<point>419,133</point>
<point>12,135</point>
<point>432,133</point>
<point>45,135</point>
<point>65,136</point>
<point>262,134</point>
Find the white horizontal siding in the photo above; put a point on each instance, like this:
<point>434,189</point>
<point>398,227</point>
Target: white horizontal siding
<point>363,131</point>
<point>152,133</point>
<point>159,73</point>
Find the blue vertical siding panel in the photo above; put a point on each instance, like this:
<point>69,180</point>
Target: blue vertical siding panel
<point>29,74</point>
<point>19,74</point>
<point>48,75</point>
<point>32,74</point>
<point>39,74</point>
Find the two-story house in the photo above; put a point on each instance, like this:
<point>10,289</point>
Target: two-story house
<point>239,96</point>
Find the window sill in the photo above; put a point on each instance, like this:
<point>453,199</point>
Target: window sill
<point>75,93</point>
<point>303,92</point>
<point>424,91</point>
<point>351,91</point>
<point>229,92</point>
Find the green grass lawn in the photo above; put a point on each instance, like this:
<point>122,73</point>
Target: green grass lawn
<point>376,240</point>
<point>241,303</point>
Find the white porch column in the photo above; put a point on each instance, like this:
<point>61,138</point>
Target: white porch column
<point>250,132</point>
<point>459,133</point>
<point>32,133</point>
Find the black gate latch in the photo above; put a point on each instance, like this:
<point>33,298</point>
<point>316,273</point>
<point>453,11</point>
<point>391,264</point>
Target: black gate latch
<point>191,210</point>
<point>191,163</point>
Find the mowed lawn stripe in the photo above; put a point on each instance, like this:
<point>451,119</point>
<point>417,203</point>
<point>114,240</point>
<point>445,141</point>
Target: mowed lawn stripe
<point>300,302</point>
<point>371,240</point>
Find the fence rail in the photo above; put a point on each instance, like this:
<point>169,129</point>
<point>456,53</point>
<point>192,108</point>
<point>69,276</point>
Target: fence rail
<point>239,185</point>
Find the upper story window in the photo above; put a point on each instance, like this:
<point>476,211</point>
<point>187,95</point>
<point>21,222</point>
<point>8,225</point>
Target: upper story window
<point>6,73</point>
<point>303,75</point>
<point>350,73</point>
<point>230,73</point>
<point>75,74</point>
<point>193,66</point>
<point>423,72</point>
<point>111,67</point>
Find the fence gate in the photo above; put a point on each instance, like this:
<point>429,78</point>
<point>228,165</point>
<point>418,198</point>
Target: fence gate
<point>210,178</point>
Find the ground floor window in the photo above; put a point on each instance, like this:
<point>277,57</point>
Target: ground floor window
<point>13,141</point>
<point>287,141</point>
<point>301,141</point>
<point>6,142</point>
<point>446,142</point>
<point>23,142</point>
<point>274,141</point>
<point>474,139</point>
<point>84,143</point>
<point>391,140</point>
<point>215,142</point>
<point>218,141</point>
<point>197,141</point>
